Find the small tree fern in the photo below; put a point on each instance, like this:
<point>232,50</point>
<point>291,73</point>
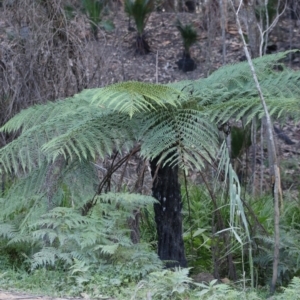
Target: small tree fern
<point>140,10</point>
<point>94,10</point>
<point>189,37</point>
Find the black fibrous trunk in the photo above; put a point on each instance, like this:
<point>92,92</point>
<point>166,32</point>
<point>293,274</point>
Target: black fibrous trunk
<point>142,46</point>
<point>186,63</point>
<point>168,217</point>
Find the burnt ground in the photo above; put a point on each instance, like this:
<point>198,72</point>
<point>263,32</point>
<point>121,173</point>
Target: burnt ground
<point>166,48</point>
<point>122,64</point>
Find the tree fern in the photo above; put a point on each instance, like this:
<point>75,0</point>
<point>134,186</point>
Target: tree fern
<point>139,10</point>
<point>175,121</point>
<point>94,122</point>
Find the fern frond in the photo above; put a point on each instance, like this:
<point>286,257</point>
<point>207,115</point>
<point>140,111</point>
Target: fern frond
<point>186,132</point>
<point>108,249</point>
<point>133,96</point>
<point>60,216</point>
<point>264,66</point>
<point>91,137</point>
<point>38,114</point>
<point>46,257</point>
<point>235,82</point>
<point>82,134</point>
<point>126,201</point>
<point>8,231</point>
<point>292,291</point>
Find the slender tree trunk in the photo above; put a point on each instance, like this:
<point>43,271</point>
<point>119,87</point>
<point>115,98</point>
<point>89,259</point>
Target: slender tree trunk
<point>275,171</point>
<point>253,159</point>
<point>252,29</point>
<point>223,29</point>
<point>134,221</point>
<point>262,128</point>
<point>168,217</point>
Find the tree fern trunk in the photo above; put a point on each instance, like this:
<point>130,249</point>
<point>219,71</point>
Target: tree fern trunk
<point>168,218</point>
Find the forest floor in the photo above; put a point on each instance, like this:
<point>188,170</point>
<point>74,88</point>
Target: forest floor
<point>7,295</point>
<point>123,64</point>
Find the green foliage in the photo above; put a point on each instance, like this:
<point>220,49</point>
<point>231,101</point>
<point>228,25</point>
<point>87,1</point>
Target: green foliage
<point>291,213</point>
<point>180,118</point>
<point>198,223</point>
<point>69,11</point>
<point>68,235</point>
<point>181,131</point>
<point>46,282</point>
<point>94,10</point>
<point>240,140</point>
<point>158,114</point>
<point>189,35</point>
<point>85,246</point>
<point>263,260</point>
<point>227,93</point>
<point>139,10</point>
<point>133,97</point>
<point>292,291</point>
<point>165,284</point>
<point>234,94</point>
<point>222,291</point>
<point>261,219</point>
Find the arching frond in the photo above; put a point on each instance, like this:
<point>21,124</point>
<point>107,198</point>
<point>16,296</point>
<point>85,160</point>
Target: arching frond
<point>248,108</point>
<point>81,131</point>
<point>133,96</point>
<point>76,187</point>
<point>236,82</point>
<point>91,137</point>
<point>185,132</point>
<point>230,92</point>
<point>37,114</point>
<point>264,66</point>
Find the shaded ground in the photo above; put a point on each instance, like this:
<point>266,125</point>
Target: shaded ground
<point>166,48</point>
<point>5,295</point>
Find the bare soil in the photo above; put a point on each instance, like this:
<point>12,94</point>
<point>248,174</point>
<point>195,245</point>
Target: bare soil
<point>6,295</point>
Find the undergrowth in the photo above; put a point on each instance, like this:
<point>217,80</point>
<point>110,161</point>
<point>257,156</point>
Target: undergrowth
<point>158,285</point>
<point>63,253</point>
